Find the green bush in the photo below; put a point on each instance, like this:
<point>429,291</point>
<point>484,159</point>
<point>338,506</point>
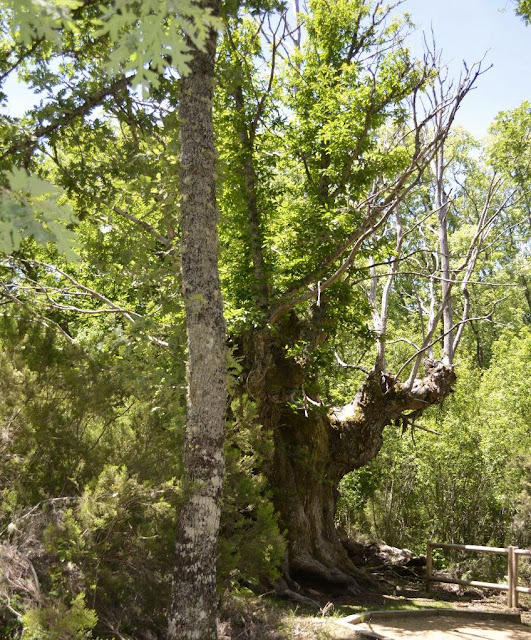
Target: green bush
<point>60,622</point>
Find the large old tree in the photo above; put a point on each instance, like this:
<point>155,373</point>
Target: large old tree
<point>334,169</point>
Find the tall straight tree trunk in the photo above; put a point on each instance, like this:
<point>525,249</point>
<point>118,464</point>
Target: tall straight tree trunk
<point>193,611</point>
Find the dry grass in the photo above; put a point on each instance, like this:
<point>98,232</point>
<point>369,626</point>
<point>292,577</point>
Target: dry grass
<point>247,617</point>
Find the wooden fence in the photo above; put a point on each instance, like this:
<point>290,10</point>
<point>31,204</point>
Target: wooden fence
<point>512,553</point>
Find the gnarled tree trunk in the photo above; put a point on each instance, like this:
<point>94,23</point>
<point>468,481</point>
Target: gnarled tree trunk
<point>315,449</point>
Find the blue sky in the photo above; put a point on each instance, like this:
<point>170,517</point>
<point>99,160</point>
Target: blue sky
<point>464,30</point>
<point>468,30</point>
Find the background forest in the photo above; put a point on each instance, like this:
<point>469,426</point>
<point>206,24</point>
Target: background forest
<point>376,276</point>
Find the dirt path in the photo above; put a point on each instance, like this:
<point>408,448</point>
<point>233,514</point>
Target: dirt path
<point>443,627</point>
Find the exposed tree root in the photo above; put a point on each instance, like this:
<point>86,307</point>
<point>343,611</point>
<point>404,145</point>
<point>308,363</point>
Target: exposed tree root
<point>284,591</point>
<point>306,566</point>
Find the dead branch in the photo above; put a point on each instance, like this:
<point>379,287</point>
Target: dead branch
<point>425,347</point>
<point>350,366</point>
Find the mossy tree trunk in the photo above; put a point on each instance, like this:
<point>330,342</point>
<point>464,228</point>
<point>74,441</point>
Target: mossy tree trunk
<point>314,449</point>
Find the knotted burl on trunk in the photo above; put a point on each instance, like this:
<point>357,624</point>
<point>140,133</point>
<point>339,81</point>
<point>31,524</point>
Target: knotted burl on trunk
<point>357,428</point>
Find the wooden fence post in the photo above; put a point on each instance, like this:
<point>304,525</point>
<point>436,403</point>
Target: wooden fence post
<point>510,578</point>
<point>515,579</point>
<point>429,562</point>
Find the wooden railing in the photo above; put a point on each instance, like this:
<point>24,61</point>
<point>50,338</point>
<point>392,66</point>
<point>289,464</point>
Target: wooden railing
<point>512,553</point>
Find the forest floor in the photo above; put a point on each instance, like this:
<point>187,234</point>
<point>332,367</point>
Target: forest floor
<point>393,586</point>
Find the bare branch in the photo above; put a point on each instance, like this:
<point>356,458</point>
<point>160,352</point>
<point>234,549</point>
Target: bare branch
<point>350,366</point>
<point>47,322</point>
<point>381,203</point>
<point>29,142</point>
<point>29,51</point>
<point>382,323</point>
<point>418,426</point>
<point>167,242</point>
<point>410,342</point>
<point>425,347</point>
<point>129,315</point>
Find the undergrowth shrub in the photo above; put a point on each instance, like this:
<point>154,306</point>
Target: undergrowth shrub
<point>251,546</point>
<point>59,621</point>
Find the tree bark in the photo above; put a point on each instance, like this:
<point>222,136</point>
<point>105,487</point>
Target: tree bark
<point>193,611</point>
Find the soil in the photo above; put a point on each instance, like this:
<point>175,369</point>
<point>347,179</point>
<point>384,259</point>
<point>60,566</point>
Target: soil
<point>422,627</point>
<point>446,627</point>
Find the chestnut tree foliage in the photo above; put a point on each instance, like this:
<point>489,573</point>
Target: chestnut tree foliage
<point>364,241</point>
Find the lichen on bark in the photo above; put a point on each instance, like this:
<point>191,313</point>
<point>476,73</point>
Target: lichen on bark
<point>193,611</point>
